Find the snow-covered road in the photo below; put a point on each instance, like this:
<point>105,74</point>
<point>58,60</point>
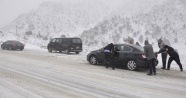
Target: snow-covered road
<point>39,74</point>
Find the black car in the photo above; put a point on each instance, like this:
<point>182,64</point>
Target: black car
<point>65,44</point>
<point>12,45</point>
<point>125,55</point>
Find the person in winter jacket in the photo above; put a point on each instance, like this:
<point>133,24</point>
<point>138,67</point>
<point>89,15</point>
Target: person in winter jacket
<point>173,56</point>
<point>161,45</point>
<point>109,55</point>
<point>149,53</point>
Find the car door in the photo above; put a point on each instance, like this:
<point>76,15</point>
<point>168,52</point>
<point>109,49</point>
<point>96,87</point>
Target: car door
<point>66,43</point>
<point>100,54</point>
<point>52,44</point>
<point>117,54</point>
<point>58,44</point>
<point>5,45</point>
<point>124,54</point>
<point>8,44</point>
<point>127,54</point>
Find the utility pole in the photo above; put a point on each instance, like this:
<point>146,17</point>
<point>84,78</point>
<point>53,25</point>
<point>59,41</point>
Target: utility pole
<point>16,29</point>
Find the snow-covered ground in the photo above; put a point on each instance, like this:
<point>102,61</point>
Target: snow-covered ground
<point>36,73</point>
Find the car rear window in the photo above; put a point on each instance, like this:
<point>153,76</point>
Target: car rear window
<point>127,48</point>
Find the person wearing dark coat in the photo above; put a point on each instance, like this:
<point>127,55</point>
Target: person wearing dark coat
<point>161,44</point>
<point>149,53</point>
<point>109,55</point>
<point>173,56</point>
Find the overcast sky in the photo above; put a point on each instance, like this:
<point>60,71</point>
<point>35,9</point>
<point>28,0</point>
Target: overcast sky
<point>11,9</point>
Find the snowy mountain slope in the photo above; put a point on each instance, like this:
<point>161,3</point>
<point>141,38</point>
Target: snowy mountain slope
<point>56,19</point>
<point>166,20</point>
<point>170,17</point>
<point>134,7</point>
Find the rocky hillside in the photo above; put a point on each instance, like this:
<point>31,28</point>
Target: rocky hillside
<point>167,20</point>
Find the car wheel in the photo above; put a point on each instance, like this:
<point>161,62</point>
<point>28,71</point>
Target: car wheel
<point>77,52</point>
<point>21,49</point>
<point>93,60</point>
<point>67,51</point>
<point>131,65</point>
<point>49,49</point>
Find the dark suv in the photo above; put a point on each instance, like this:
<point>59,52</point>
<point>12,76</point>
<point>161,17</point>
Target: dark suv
<point>65,44</point>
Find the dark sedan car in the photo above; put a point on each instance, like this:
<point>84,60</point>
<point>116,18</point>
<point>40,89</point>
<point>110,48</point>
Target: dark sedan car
<point>126,55</point>
<point>12,45</point>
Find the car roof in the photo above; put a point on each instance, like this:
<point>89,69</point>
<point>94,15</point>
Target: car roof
<point>13,40</point>
<point>131,45</point>
<point>65,38</point>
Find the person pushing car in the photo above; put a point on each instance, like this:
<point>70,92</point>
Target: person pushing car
<point>149,53</point>
<point>161,44</point>
<point>173,56</point>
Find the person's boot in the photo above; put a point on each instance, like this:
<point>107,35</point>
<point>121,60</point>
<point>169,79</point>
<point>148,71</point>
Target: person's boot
<point>162,67</point>
<point>113,68</point>
<point>167,69</point>
<point>106,65</point>
<point>150,74</point>
<point>181,70</point>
